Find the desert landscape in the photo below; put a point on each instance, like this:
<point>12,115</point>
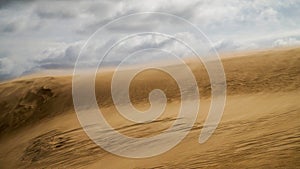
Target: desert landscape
<point>260,127</point>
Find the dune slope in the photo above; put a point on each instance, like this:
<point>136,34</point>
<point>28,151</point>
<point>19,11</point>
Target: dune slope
<point>260,126</point>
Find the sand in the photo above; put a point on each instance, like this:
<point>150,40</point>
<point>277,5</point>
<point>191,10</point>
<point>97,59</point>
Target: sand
<point>260,127</point>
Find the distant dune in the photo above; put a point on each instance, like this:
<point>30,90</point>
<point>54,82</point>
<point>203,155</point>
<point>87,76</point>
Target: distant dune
<point>260,127</point>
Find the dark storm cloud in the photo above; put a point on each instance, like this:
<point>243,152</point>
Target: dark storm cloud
<point>6,3</point>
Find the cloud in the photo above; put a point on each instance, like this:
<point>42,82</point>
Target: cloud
<point>48,34</point>
<point>230,45</point>
<point>10,27</point>
<point>17,19</point>
<point>65,55</point>
<point>18,25</point>
<point>286,42</point>
<point>225,45</point>
<point>6,3</point>
<point>100,17</point>
<point>62,57</point>
<point>57,10</point>
<point>10,67</point>
<point>49,14</point>
<point>6,68</point>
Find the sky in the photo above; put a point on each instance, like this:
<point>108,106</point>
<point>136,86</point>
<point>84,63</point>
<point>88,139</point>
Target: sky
<point>44,35</point>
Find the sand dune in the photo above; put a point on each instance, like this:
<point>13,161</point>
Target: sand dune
<point>260,127</point>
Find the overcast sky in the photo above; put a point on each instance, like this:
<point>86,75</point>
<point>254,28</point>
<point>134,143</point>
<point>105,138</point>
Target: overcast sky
<point>41,35</point>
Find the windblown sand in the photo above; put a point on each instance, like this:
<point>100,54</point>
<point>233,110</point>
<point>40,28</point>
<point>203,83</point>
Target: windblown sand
<point>260,127</point>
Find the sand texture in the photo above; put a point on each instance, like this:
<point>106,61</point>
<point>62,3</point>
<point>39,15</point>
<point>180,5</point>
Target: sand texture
<point>260,127</point>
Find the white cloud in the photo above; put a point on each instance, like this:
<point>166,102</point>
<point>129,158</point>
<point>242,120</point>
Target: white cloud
<point>10,67</point>
<point>6,68</point>
<point>61,57</point>
<point>286,42</point>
